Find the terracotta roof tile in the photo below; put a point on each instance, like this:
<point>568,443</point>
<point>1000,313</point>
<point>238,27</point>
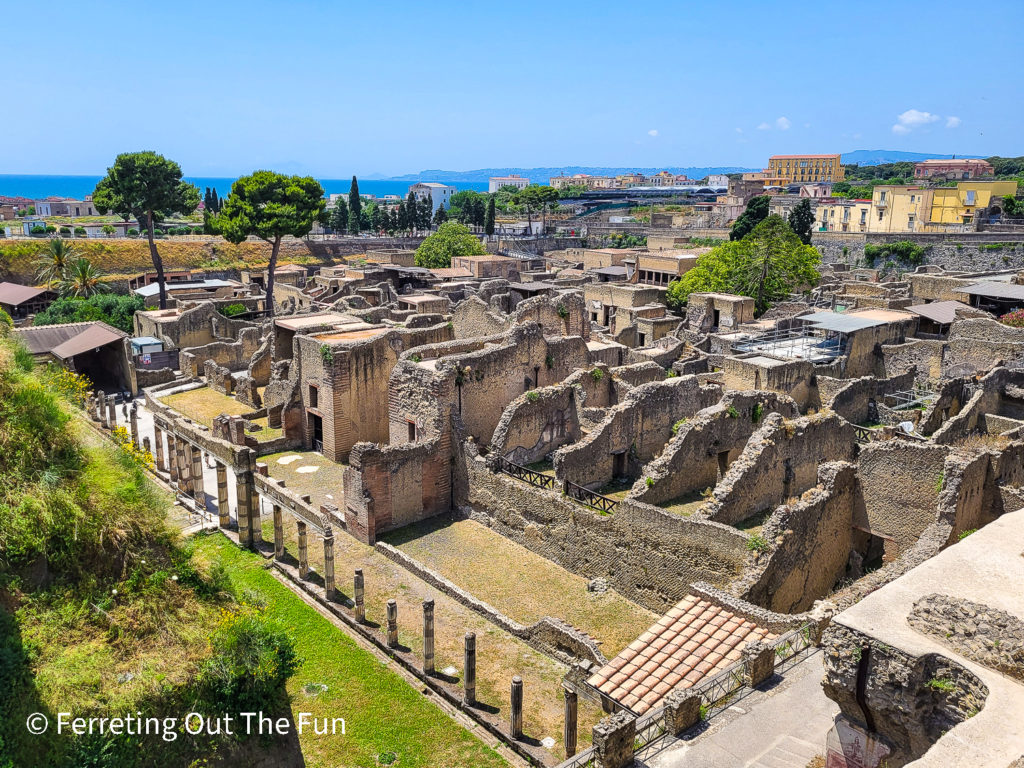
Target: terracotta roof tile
<point>695,639</point>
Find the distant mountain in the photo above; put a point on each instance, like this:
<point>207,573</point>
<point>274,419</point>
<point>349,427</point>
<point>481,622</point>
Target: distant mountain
<point>541,175</point>
<point>883,156</point>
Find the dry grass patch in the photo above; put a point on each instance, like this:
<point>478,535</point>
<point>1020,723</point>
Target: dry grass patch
<point>324,486</point>
<point>521,584</point>
<point>499,655</point>
<point>203,405</point>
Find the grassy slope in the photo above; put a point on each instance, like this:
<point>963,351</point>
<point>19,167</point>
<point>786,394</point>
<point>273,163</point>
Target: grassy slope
<point>69,644</point>
<point>382,712</point>
<point>121,257</point>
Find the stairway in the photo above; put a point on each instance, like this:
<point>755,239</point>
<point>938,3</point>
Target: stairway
<point>788,752</point>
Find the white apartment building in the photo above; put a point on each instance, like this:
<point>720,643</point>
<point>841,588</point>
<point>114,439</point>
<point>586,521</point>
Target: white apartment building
<point>440,194</point>
<point>497,182</point>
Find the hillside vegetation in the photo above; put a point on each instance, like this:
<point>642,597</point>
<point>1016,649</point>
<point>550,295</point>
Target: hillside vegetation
<point>105,612</point>
<point>119,257</point>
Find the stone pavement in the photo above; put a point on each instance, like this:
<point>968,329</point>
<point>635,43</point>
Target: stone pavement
<point>781,727</point>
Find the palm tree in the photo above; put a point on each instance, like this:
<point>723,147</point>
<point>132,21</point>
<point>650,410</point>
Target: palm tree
<point>55,261</point>
<point>83,280</point>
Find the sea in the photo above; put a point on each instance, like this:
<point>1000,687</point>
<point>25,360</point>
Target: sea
<point>39,187</point>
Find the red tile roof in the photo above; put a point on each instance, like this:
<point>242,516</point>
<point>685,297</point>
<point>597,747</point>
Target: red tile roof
<point>692,641</point>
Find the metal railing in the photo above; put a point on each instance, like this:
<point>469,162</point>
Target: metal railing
<point>717,693</point>
<point>531,476</point>
<point>549,482</point>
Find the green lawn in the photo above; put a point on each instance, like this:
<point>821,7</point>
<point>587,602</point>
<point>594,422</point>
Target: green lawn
<point>382,712</point>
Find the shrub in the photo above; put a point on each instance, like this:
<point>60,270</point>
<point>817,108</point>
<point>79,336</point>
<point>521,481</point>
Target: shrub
<point>65,230</point>
<point>549,362</point>
<point>39,229</point>
<point>253,657</point>
<point>416,358</point>
<point>326,355</point>
<point>941,684</point>
<point>1013,319</point>
<point>563,311</point>
<point>6,323</point>
<point>532,396</point>
<point>649,482</point>
<point>233,310</point>
<point>677,426</point>
<point>732,413</point>
<point>50,229</point>
<point>757,543</point>
<point>757,413</point>
<point>80,231</point>
<point>597,374</point>
<point>133,232</point>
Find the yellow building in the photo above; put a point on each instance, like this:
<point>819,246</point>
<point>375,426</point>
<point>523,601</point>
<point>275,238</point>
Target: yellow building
<point>805,168</point>
<point>958,205</point>
<point>899,209</point>
<point>838,215</point>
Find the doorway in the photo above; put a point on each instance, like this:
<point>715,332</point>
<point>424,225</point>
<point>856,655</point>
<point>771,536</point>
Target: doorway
<point>316,428</point>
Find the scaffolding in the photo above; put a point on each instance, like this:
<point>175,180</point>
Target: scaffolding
<point>906,399</point>
<point>794,344</point>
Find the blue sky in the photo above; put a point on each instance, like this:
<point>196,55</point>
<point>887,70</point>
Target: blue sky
<point>334,88</point>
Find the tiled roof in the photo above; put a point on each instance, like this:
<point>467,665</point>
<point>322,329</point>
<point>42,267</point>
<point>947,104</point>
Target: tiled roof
<point>692,641</point>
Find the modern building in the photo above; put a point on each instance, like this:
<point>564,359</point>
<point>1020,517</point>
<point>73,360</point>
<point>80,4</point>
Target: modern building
<point>497,182</point>
<point>717,180</point>
<point>582,180</point>
<point>842,215</point>
<point>953,169</point>
<point>440,194</point>
<point>914,208</point>
<point>899,208</point>
<point>65,206</point>
<point>960,204</point>
<point>804,168</point>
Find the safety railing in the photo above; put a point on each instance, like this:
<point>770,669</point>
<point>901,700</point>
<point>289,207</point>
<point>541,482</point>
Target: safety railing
<point>531,476</point>
<point>549,482</point>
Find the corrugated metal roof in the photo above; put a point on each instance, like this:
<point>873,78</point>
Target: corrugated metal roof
<point>93,337</point>
<point>14,294</point>
<point>833,321</point>
<point>153,289</point>
<point>995,290</point>
<point>941,312</point>
<point>51,338</point>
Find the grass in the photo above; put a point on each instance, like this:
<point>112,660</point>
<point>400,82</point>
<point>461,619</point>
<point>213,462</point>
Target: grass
<point>499,655</point>
<point>519,583</point>
<point>382,713</point>
<point>618,488</point>
<point>204,404</point>
<point>324,486</point>
<point>685,505</point>
<point>755,523</point>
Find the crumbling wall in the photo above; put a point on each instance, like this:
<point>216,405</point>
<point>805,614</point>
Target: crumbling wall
<point>809,544</point>
<point>646,554</point>
<point>233,355</point>
<point>924,356</point>
<point>705,445</point>
<point>794,378</point>
<point>863,674</point>
<point>638,429</point>
<point>779,461</point>
<point>901,482</point>
<point>536,423</point>
<point>473,317</point>
<point>858,400</point>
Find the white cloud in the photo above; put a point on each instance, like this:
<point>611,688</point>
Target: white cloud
<point>782,123</point>
<point>912,119</point>
<point>739,130</point>
<point>652,132</point>
<point>764,127</point>
<point>953,121</point>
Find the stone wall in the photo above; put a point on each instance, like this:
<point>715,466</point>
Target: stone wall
<point>780,461</point>
<point>857,400</point>
<point>901,483</point>
<point>895,691</point>
<point>809,544</point>
<point>646,554</point>
<point>955,251</point>
<point>233,355</point>
<point>635,431</point>
<point>705,445</point>
<point>536,423</point>
<point>794,378</point>
<point>986,635</point>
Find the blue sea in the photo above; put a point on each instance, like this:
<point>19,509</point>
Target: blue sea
<point>38,187</point>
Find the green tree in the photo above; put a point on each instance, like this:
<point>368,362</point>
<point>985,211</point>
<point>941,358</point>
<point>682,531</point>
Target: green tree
<point>117,310</point>
<point>756,212</point>
<point>801,219</point>
<point>55,260</point>
<point>82,279</point>
<point>339,216</point>
<point>489,219</point>
<point>355,207</point>
<point>425,212</point>
<point>528,199</point>
<point>440,216</point>
<point>767,265</point>
<point>270,205</point>
<point>147,186</point>
<point>548,199</point>
<point>451,239</point>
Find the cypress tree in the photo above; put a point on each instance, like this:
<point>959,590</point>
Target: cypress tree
<point>355,207</point>
<point>339,220</point>
<point>489,218</point>
<point>441,216</point>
